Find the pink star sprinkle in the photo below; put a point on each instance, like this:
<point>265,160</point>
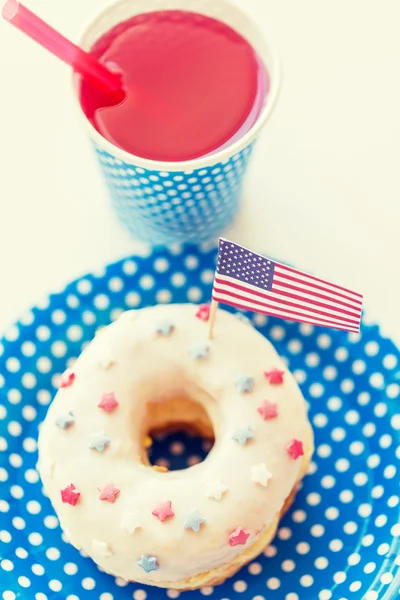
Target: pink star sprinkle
<point>67,378</point>
<point>238,537</point>
<point>295,449</point>
<point>108,402</point>
<point>274,376</point>
<point>108,492</point>
<point>163,510</point>
<point>268,410</point>
<point>70,495</point>
<point>204,312</point>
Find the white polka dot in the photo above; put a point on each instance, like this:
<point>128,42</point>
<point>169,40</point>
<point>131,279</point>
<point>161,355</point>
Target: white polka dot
<point>277,333</point>
<point>29,444</point>
<point>336,545</point>
<point>43,333</point>
<point>380,409</point>
<point>295,346</point>
<point>354,559</point>
<point>29,413</point>
<point>207,590</point>
<point>385,440</point>
<point>37,569</point>
<point>101,301</point>
<point>395,422</point>
<point>70,568</point>
<point>369,429</point>
<point>139,595</point>
<point>53,553</point>
<point>288,566</point>
<point>259,319</point>
<point>5,537</point>
<point>320,420</point>
<point>360,479</point>
<point>74,333</point>
<point>16,491</point>
<point>3,412</point>
<point>4,506</point>
<point>163,296</point>
<point>28,381</point>
<point>380,520</point>
<point>33,507</point>
<point>341,354</point>
<point>364,510</point>
<point>121,582</point>
<point>371,348</point>
<point>14,428</point>
<point>338,434</point>
<point>334,404</point>
<point>40,596</point>
<point>299,516</point>
<point>377,380</point>
<point>393,501</point>
<point>88,583</point>
<point>395,530</point>
<point>55,585</point>
<point>390,361</point>
<point>325,595</point>
<point>317,530</point>
<point>356,448</point>
<point>24,581</point>
<point>383,549</point>
<point>359,366</point>
<point>35,539</point>
<point>363,398</point>
<point>386,578</point>
<point>328,482</point>
<point>8,595</point>
<point>350,527</point>
<point>303,548</point>
<point>329,373</point>
<point>3,472</point>
<point>173,593</point>
<point>300,375</point>
<point>321,562</point>
<point>21,553</point>
<point>371,595</point>
<point>31,476</point>
<point>306,581</point>
<point>312,359</point>
<point>284,533</point>
<point>393,390</point>
<point>7,565</point>
<point>347,386</point>
<point>352,417</point>
<point>339,577</point>
<point>316,390</point>
<point>271,551</point>
<point>13,365</point>
<point>313,499</point>
<point>18,523</point>
<point>373,461</point>
<point>389,472</point>
<point>273,583</point>
<point>369,567</point>
<point>377,491</point>
<point>332,513</point>
<point>255,568</point>
<point>240,586</point>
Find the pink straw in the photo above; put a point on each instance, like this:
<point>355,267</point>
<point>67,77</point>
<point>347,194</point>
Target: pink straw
<point>82,62</point>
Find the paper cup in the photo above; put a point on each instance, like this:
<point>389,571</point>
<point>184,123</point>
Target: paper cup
<point>189,201</point>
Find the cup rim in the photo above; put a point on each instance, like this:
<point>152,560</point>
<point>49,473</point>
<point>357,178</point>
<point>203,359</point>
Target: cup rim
<point>220,156</point>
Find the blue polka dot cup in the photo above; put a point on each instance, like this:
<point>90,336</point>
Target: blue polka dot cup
<point>190,201</point>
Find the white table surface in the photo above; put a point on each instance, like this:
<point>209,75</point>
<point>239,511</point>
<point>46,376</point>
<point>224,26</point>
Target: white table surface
<point>323,191</point>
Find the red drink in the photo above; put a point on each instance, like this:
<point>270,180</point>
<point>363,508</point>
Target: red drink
<point>192,85</point>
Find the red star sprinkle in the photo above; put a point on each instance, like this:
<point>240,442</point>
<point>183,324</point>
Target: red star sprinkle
<point>67,378</point>
<point>108,492</point>
<point>70,495</point>
<point>163,510</point>
<point>238,537</point>
<point>204,312</point>
<point>108,402</point>
<point>268,410</point>
<point>274,376</point>
<point>295,449</point>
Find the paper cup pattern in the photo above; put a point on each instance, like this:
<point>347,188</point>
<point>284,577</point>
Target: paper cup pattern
<point>190,201</point>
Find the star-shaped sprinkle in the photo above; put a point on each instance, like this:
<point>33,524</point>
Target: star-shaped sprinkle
<point>274,376</point>
<point>244,383</point>
<point>67,378</point>
<point>163,511</point>
<point>203,312</point>
<point>108,402</point>
<point>216,489</point>
<point>194,520</point>
<point>101,548</point>
<point>70,495</point>
<point>65,421</point>
<point>106,358</point>
<point>108,492</point>
<point>131,521</point>
<point>260,474</point>
<point>268,410</point>
<point>239,537</point>
<point>199,350</point>
<point>295,449</point>
<point>99,441</point>
<point>243,435</point>
<point>165,327</point>
<point>148,563</point>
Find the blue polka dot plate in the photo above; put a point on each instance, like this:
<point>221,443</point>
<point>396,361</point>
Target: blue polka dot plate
<point>340,540</point>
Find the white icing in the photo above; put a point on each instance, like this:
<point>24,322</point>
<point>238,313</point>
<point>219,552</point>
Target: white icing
<point>151,368</point>
<point>101,548</point>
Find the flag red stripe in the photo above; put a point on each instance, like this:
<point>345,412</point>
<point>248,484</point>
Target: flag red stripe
<point>318,287</point>
<point>297,319</point>
<point>316,294</point>
<point>316,302</point>
<point>339,287</point>
<point>280,301</point>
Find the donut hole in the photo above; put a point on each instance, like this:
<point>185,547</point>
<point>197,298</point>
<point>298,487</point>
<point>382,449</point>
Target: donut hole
<point>181,434</point>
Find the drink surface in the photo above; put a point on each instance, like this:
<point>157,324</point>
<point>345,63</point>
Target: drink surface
<point>191,84</point>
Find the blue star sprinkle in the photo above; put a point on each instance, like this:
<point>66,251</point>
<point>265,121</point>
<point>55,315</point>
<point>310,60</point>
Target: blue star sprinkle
<point>65,421</point>
<point>165,327</point>
<point>148,563</point>
<point>99,441</point>
<point>194,520</point>
<point>244,383</point>
<point>199,350</point>
<point>243,435</point>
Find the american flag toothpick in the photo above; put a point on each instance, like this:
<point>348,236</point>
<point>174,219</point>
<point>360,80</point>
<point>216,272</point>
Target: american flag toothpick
<point>250,281</point>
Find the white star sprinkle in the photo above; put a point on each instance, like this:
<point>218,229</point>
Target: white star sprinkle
<point>131,521</point>
<point>216,489</point>
<point>101,548</point>
<point>105,358</point>
<point>260,474</point>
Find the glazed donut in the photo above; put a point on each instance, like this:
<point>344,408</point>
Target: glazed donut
<point>155,369</point>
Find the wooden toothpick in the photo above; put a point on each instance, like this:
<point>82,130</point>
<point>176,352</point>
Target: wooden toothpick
<point>211,319</point>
